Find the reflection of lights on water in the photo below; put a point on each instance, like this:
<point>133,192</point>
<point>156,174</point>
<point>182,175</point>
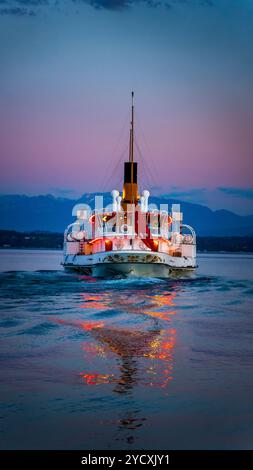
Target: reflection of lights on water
<point>125,358</point>
<point>162,315</point>
<point>107,300</point>
<point>158,349</point>
<point>97,379</point>
<point>145,355</point>
<point>167,299</point>
<point>91,325</point>
<point>161,347</point>
<point>94,349</point>
<point>85,325</point>
<point>95,301</point>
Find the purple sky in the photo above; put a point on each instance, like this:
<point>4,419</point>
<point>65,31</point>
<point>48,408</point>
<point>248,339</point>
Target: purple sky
<point>65,83</point>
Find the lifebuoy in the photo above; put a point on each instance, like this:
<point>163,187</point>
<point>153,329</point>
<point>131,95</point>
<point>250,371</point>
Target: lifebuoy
<point>78,236</point>
<point>188,239</point>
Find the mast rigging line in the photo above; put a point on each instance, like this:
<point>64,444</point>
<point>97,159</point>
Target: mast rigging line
<point>114,153</point>
<point>145,169</point>
<point>153,170</point>
<point>114,169</point>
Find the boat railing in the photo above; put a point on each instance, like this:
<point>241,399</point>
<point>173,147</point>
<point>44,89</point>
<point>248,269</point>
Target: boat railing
<point>172,244</point>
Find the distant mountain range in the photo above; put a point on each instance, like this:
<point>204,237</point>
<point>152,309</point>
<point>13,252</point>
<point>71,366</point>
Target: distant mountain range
<point>49,213</point>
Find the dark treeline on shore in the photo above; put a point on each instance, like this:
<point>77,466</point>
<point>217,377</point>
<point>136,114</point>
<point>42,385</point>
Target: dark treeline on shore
<point>229,244</point>
<point>12,239</point>
<point>50,240</point>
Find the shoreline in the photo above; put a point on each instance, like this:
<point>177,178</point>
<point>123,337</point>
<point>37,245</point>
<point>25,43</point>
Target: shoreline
<point>37,240</point>
<point>59,250</point>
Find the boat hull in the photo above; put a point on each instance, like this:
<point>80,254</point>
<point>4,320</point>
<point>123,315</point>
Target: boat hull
<point>135,270</point>
<point>130,264</point>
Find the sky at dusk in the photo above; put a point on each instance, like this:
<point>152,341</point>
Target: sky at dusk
<point>67,70</point>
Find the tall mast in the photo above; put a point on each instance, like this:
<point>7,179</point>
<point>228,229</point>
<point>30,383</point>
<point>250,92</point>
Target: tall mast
<point>132,145</point>
<point>130,188</point>
<point>131,156</point>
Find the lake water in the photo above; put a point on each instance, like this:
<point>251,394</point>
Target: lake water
<point>125,364</point>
